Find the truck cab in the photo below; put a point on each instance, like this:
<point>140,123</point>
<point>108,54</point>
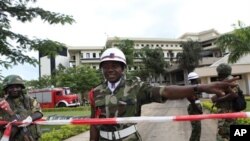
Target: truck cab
<point>55,97</point>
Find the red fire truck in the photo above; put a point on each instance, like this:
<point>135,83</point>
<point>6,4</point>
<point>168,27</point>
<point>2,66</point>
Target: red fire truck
<point>55,97</point>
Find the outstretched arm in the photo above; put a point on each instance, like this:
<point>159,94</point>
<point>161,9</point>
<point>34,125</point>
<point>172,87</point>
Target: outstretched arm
<point>218,88</point>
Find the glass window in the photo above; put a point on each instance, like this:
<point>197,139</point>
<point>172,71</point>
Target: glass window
<point>87,55</point>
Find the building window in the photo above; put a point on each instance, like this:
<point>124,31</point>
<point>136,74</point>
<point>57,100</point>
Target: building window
<point>94,55</point>
<point>73,58</point>
<point>87,55</point>
<point>82,55</point>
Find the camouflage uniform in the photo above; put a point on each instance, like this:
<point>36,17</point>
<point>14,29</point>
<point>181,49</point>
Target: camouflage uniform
<point>223,134</point>
<point>22,106</point>
<point>196,125</point>
<point>194,108</point>
<point>125,101</point>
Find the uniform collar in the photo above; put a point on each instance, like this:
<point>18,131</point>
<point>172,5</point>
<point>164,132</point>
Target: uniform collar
<point>112,86</point>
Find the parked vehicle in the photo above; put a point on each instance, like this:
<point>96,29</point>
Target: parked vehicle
<point>55,97</point>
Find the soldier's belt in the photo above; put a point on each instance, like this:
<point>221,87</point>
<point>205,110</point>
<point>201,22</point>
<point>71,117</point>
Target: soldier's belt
<point>118,134</point>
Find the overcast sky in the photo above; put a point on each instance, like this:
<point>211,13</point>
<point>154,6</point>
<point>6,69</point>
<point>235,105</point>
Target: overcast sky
<point>98,19</point>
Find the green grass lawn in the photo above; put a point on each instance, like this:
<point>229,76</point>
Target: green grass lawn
<point>75,112</point>
<point>67,113</point>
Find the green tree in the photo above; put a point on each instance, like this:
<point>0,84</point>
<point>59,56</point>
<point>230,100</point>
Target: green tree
<point>80,79</point>
<point>44,82</point>
<point>1,87</point>
<point>154,62</point>
<point>190,56</point>
<point>236,42</point>
<point>13,46</point>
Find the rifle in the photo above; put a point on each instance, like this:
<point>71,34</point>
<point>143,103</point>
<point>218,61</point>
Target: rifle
<point>25,132</point>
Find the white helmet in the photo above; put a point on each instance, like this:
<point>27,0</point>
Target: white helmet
<point>192,75</point>
<point>113,54</point>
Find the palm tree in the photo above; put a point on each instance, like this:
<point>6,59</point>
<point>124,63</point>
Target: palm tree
<point>236,42</point>
<point>189,58</point>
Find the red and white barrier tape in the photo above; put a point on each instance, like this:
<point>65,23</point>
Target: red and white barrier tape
<point>6,134</point>
<point>123,120</point>
<point>92,121</point>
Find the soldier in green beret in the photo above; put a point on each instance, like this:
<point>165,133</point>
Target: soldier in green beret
<point>118,97</point>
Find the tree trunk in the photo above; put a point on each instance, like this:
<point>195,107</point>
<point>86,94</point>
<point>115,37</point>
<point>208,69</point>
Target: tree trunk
<point>185,76</point>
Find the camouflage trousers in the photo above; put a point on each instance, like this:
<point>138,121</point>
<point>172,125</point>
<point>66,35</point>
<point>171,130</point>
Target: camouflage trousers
<point>223,133</point>
<point>196,125</point>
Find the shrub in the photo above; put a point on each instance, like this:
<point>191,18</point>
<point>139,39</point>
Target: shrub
<point>64,132</point>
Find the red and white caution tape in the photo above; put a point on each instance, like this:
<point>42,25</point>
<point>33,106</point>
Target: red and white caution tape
<point>123,120</point>
<point>93,121</point>
<point>6,134</point>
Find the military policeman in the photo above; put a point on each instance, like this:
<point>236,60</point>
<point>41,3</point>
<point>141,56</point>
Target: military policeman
<point>18,106</point>
<point>194,108</point>
<point>118,97</point>
<point>224,104</point>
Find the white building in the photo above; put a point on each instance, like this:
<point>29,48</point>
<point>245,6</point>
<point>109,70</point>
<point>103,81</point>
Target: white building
<point>48,65</point>
<point>212,56</point>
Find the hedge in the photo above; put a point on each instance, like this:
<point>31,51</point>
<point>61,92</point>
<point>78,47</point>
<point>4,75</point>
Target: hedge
<point>208,105</point>
<point>66,109</point>
<point>64,132</point>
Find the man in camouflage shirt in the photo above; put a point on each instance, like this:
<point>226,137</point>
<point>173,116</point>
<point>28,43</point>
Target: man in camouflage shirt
<point>224,103</point>
<point>194,108</point>
<point>18,106</point>
<point>118,97</point>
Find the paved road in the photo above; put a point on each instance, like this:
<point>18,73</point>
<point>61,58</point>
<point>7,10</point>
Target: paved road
<point>169,131</point>
<point>172,131</point>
